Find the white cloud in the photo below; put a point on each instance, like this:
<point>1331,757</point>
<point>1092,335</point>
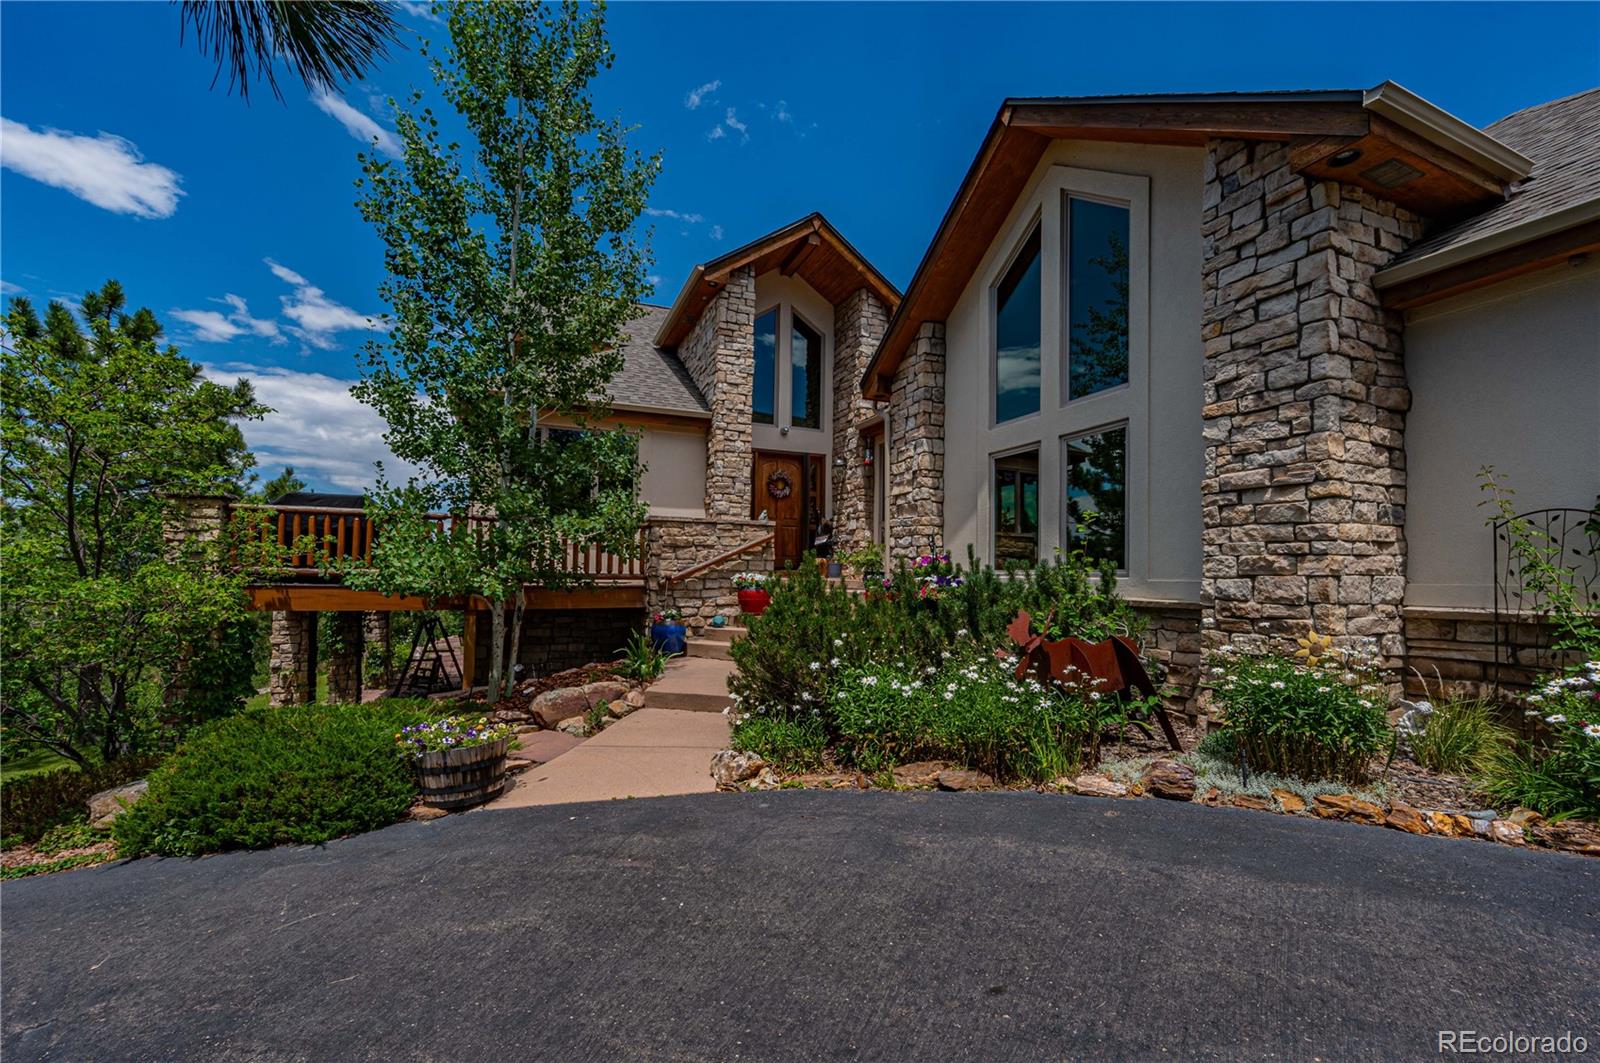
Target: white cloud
<point>316,317</point>
<point>213,326</point>
<point>698,96</point>
<point>317,426</point>
<point>716,232</point>
<point>105,170</point>
<point>654,280</point>
<point>7,288</point>
<point>675,215</point>
<point>717,133</point>
<point>733,123</point>
<point>356,123</point>
<point>418,9</point>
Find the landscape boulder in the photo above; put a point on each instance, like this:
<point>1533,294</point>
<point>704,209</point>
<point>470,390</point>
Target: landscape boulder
<point>730,767</point>
<point>607,690</point>
<point>1098,786</point>
<point>962,779</point>
<point>553,706</point>
<point>1169,779</point>
<point>107,805</point>
<point>1289,801</point>
<point>1406,818</point>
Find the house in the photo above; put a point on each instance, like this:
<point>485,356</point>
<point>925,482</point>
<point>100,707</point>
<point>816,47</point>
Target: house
<point>1258,348</point>
<point>1255,347</point>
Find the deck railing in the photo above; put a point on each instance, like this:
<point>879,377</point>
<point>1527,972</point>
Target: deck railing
<point>317,535</point>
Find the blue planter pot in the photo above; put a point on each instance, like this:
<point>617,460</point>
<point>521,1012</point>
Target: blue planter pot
<point>668,638</point>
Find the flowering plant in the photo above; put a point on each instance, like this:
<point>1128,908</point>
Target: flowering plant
<point>452,732</point>
<point>1557,774</point>
<point>666,616</point>
<point>1321,720</point>
<point>749,581</point>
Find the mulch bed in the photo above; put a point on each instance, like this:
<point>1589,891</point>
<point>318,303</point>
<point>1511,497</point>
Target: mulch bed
<point>529,689</point>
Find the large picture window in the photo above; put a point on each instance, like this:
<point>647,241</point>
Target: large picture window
<point>1097,296</point>
<point>805,375</point>
<point>764,389</point>
<point>1017,335</point>
<point>1097,494</point>
<point>1016,509</point>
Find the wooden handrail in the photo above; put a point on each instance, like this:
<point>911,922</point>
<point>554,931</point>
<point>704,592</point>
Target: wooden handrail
<point>695,570</point>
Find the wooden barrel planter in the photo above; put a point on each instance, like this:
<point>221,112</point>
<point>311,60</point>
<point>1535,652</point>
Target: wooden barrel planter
<point>454,779</point>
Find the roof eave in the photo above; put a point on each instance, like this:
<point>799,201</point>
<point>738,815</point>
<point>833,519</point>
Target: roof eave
<point>1405,108</point>
<point>676,311</point>
<point>1488,244</point>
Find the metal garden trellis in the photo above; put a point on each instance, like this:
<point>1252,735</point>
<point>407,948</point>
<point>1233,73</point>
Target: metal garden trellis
<point>1572,539</point>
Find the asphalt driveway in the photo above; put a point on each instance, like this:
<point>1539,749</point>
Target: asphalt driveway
<point>803,925</point>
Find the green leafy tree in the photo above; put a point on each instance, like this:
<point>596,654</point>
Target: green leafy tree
<point>511,273</point>
<point>286,482</point>
<point>104,432</point>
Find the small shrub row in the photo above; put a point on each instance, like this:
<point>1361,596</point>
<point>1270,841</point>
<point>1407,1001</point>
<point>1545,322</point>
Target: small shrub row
<point>265,777</point>
<point>33,805</point>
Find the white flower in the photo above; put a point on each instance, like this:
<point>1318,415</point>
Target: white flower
<point>1276,684</point>
<point>869,680</point>
<point>814,665</point>
<point>834,663</point>
<point>1593,730</point>
<point>838,643</point>
<point>1555,718</point>
<point>948,696</point>
<point>961,634</point>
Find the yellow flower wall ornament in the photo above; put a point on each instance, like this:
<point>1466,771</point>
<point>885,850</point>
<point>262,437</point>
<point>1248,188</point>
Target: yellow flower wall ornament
<point>1314,647</point>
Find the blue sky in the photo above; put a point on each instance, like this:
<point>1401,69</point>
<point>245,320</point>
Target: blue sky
<point>236,222</point>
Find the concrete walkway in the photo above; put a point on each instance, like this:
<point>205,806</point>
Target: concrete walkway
<point>648,753</point>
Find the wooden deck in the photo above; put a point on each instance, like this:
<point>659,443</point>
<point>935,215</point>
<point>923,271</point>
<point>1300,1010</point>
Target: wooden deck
<point>314,537</point>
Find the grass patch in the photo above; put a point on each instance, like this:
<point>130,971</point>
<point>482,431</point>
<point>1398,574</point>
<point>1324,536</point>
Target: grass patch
<point>790,745</point>
<point>1460,738</point>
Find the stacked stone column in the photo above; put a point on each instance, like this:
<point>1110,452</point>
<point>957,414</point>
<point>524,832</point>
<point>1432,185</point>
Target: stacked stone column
<point>916,446</point>
<point>344,658</point>
<point>1305,400</point>
<point>859,324</point>
<point>375,638</point>
<point>293,679</point>
<point>719,353</point>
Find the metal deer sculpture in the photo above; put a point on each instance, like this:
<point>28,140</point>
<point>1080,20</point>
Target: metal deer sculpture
<point>1114,663</point>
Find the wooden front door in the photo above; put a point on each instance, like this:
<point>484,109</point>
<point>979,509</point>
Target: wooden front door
<point>779,488</point>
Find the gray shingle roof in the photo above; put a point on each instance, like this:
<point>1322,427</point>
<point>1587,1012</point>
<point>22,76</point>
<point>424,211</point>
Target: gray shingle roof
<point>1562,138</point>
<point>651,376</point>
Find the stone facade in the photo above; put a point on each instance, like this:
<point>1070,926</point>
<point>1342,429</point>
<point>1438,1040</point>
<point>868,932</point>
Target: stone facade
<point>1455,649</point>
<point>554,640</point>
<point>676,544</point>
<point>1173,642</point>
<point>344,657</point>
<point>192,519</point>
<point>859,324</point>
<point>916,446</point>
<point>719,353</point>
<point>1305,400</point>
<point>293,659</point>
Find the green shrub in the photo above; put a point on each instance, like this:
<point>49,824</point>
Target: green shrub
<point>73,834</point>
<point>1459,737</point>
<point>1321,721</point>
<point>32,805</point>
<point>267,777</point>
<point>790,745</point>
<point>1557,774</point>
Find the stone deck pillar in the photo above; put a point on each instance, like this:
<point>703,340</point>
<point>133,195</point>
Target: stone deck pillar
<point>344,659</point>
<point>293,679</point>
<point>376,642</point>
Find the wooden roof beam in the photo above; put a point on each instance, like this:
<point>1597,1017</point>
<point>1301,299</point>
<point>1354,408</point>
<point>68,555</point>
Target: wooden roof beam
<point>802,251</point>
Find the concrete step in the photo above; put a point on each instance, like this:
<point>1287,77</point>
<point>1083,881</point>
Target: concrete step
<point>712,649</point>
<point>731,633</point>
<point>694,684</point>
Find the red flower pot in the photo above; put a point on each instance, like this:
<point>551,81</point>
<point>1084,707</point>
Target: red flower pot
<point>754,601</point>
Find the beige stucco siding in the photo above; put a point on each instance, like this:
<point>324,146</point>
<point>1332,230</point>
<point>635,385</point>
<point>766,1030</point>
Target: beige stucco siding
<point>1161,404</point>
<point>675,471</point>
<point>1507,376</point>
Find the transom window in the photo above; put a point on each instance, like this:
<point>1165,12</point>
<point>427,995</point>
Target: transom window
<point>1017,335</point>
<point>805,375</point>
<point>764,388</point>
<point>1097,296</point>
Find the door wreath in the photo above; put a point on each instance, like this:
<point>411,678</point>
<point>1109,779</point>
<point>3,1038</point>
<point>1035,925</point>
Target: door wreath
<point>779,485</point>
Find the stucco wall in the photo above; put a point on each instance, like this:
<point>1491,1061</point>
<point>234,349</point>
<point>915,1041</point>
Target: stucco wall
<point>1165,459</point>
<point>675,471</point>
<point>1507,376</point>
